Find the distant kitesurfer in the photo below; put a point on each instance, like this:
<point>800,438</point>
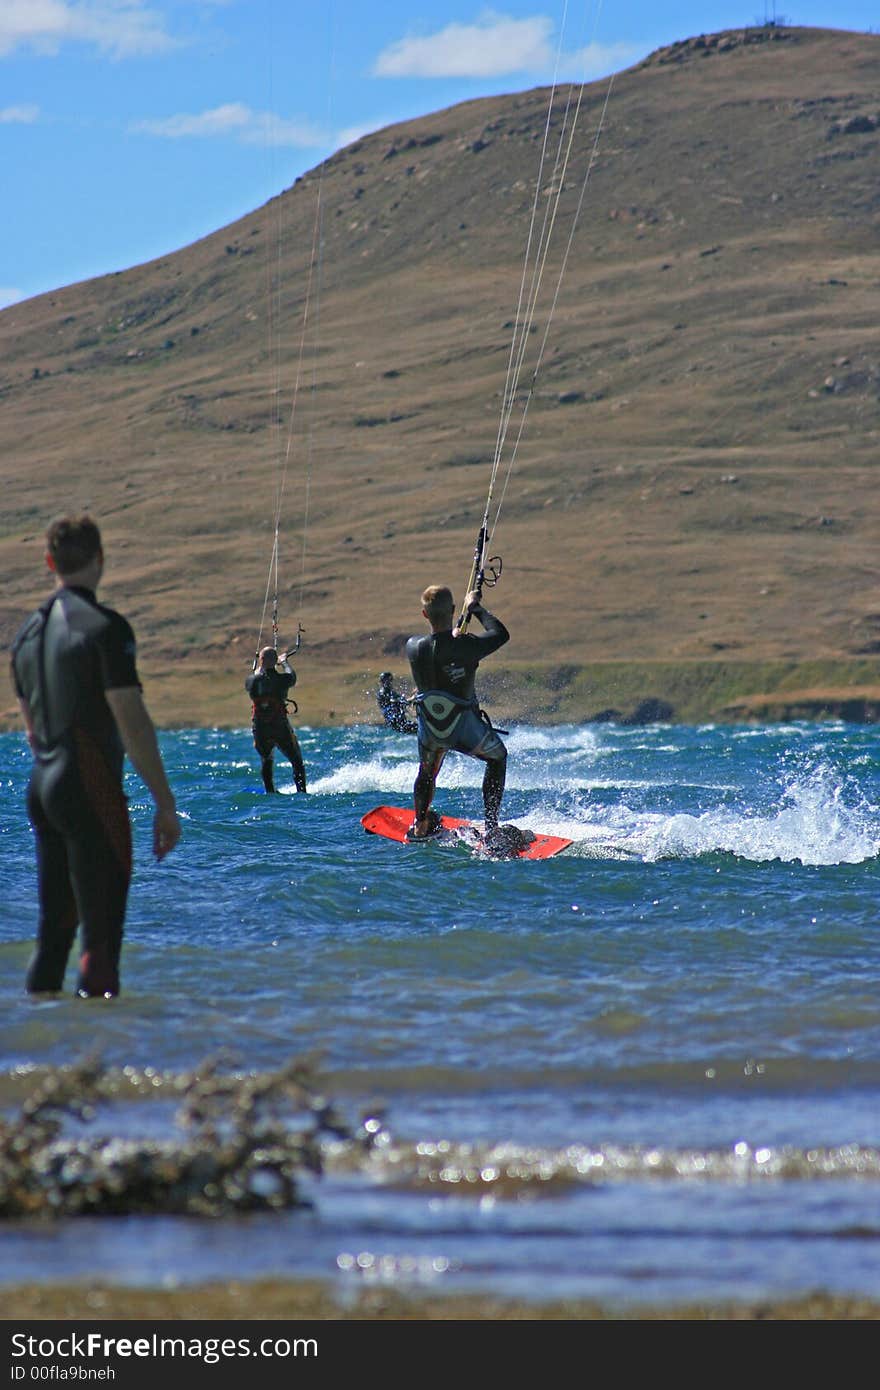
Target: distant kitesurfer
<point>444,667</point>
<point>74,671</point>
<point>394,706</point>
<point>268,688</point>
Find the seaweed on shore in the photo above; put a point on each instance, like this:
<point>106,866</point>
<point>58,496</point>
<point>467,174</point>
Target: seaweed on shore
<point>248,1142</point>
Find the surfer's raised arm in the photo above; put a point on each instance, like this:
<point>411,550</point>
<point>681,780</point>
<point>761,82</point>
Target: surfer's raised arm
<point>492,626</point>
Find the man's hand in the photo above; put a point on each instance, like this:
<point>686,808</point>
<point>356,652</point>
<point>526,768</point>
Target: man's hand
<point>166,831</point>
<point>473,604</point>
<point>139,740</point>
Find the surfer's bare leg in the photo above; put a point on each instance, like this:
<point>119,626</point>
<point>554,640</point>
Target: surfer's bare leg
<point>265,744</point>
<point>491,751</point>
<point>423,791</point>
<point>267,772</point>
<point>299,770</point>
<point>289,746</point>
<point>493,789</point>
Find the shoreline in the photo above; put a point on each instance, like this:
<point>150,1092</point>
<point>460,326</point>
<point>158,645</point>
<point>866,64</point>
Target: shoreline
<point>205,694</point>
<point>624,692</point>
<point>297,1300</point>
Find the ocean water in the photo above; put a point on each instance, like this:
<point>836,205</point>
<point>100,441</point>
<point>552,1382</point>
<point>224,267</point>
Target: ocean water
<point>647,1070</point>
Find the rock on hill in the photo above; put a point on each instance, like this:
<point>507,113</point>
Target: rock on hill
<point>694,489</point>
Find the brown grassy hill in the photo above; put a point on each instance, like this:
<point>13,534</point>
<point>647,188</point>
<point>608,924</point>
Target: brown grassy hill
<point>692,512</point>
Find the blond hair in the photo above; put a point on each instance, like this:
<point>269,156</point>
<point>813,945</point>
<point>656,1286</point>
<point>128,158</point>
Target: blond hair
<point>437,602</point>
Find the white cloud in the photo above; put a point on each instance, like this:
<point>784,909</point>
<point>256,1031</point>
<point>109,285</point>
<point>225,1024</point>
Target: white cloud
<point>597,60</point>
<point>495,45</point>
<point>9,296</point>
<point>351,133</point>
<point>268,128</point>
<point>222,120</point>
<point>235,121</point>
<point>118,27</point>
<point>19,115</point>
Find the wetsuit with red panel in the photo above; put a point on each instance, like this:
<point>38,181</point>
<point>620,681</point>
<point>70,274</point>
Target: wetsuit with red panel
<point>271,727</point>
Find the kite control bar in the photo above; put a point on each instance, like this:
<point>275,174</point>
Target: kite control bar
<point>485,570</point>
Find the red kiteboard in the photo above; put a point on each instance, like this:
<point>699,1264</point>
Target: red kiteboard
<point>394,821</point>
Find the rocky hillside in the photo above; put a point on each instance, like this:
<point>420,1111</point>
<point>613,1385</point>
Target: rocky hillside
<point>694,487</point>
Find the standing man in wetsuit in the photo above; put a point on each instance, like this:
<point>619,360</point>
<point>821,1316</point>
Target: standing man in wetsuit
<point>394,706</point>
<point>268,688</point>
<point>73,668</point>
<point>444,667</point>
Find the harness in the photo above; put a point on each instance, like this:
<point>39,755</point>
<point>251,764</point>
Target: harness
<point>439,713</point>
<point>267,707</point>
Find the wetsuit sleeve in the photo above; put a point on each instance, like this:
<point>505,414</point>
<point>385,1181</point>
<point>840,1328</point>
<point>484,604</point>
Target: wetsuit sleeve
<point>117,652</point>
<point>22,664</point>
<point>493,636</point>
<point>249,683</point>
<point>16,685</point>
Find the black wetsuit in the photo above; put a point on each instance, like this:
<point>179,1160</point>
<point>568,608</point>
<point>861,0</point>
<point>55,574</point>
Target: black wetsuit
<point>449,664</point>
<point>64,658</point>
<point>395,710</point>
<point>444,669</point>
<point>271,728</point>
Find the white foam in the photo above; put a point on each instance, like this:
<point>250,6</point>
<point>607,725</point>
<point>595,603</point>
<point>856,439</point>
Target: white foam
<point>804,810</point>
<point>811,823</point>
<point>374,775</point>
<point>566,738</point>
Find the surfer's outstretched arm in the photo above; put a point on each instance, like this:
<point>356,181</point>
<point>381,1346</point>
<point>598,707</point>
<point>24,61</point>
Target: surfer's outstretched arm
<point>494,634</point>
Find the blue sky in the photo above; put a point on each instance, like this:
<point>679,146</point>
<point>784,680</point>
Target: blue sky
<point>129,128</point>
